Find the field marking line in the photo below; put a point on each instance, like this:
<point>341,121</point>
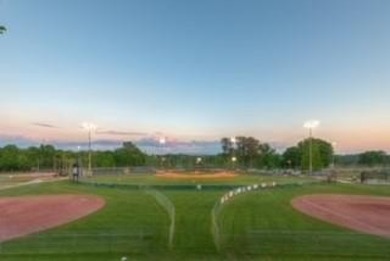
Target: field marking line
<point>35,181</point>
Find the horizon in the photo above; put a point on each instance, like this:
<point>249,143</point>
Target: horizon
<point>195,72</point>
<point>153,147</point>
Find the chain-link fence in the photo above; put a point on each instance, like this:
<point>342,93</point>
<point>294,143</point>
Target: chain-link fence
<point>169,208</point>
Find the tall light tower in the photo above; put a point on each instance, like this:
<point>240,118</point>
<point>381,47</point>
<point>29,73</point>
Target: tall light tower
<point>90,127</point>
<point>162,142</point>
<point>233,140</point>
<point>311,125</point>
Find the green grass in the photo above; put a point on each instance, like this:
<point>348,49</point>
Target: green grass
<point>258,225</point>
<point>193,223</point>
<point>263,224</point>
<point>132,223</point>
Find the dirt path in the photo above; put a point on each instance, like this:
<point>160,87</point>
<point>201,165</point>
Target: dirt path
<point>361,213</point>
<point>20,216</point>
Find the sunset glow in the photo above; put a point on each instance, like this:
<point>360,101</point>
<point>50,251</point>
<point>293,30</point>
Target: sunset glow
<point>196,74</point>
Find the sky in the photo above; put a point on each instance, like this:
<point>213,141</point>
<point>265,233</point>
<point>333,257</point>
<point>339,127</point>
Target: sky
<point>194,72</point>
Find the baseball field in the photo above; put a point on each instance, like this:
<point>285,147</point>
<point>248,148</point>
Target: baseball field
<point>193,217</point>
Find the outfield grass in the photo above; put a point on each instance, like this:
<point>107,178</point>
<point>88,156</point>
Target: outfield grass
<point>258,225</point>
<point>263,224</point>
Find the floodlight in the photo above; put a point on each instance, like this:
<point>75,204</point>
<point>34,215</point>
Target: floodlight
<point>162,140</point>
<point>88,126</point>
<point>311,124</point>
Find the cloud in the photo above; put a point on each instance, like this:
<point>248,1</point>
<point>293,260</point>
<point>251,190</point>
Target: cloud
<point>152,146</point>
<point>17,140</point>
<point>100,144</point>
<point>45,125</point>
<point>149,145</point>
<point>121,133</point>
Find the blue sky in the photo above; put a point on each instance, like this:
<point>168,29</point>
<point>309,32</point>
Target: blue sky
<point>196,71</point>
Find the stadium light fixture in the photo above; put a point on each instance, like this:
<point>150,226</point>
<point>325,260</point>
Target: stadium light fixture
<point>90,127</point>
<point>312,124</point>
<point>233,140</point>
<point>162,141</point>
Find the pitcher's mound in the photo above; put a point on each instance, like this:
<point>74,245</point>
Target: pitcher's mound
<point>361,213</point>
<point>20,216</point>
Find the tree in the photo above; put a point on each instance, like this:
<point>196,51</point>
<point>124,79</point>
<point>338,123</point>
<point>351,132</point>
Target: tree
<point>13,159</point>
<point>3,29</point>
<point>372,158</point>
<point>268,158</point>
<point>129,155</point>
<point>33,155</point>
<point>347,160</point>
<point>104,159</point>
<point>47,156</point>
<point>227,146</point>
<point>322,153</point>
<point>250,152</point>
<point>247,150</point>
<point>292,157</point>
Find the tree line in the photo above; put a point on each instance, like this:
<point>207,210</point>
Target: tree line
<point>248,152</point>
<point>239,152</point>
<point>370,158</point>
<point>46,157</point>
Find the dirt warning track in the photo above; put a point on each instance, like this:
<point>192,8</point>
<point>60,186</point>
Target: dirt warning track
<point>20,216</point>
<point>361,213</point>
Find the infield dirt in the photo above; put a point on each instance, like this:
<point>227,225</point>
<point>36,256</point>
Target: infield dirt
<point>361,213</point>
<point>21,216</point>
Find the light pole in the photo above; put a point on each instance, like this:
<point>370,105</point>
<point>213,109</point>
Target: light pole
<point>234,159</point>
<point>311,125</point>
<point>90,127</point>
<point>162,142</point>
<point>198,163</point>
<point>233,140</point>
